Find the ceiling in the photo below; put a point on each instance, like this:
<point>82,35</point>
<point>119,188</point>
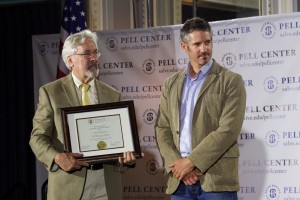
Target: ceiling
<point>227,5</point>
<point>9,2</point>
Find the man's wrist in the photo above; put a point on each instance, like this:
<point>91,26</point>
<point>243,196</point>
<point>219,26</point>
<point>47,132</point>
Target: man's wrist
<point>54,167</point>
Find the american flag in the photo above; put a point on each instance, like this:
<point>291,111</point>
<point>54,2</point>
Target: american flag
<point>73,21</point>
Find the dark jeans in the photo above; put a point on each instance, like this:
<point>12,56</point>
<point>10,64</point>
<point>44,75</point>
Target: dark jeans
<point>195,192</point>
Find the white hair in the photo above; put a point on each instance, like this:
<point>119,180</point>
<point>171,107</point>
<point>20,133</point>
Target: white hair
<point>75,40</point>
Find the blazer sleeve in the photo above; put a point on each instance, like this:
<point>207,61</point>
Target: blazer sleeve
<point>42,132</point>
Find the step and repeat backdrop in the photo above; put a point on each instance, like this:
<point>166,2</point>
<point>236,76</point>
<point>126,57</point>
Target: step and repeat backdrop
<point>264,50</point>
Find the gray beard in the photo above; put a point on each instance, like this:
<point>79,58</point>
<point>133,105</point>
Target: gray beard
<point>92,74</point>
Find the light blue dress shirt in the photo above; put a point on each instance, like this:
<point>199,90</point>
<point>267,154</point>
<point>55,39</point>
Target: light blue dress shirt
<point>191,89</point>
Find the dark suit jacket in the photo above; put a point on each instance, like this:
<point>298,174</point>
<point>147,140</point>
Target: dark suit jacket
<point>216,125</point>
<point>47,138</point>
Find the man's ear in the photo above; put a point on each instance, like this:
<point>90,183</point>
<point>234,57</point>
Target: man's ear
<point>184,46</point>
<point>70,61</point>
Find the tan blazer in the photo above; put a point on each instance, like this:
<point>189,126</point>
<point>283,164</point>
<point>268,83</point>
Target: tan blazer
<point>217,121</point>
<point>47,139</point>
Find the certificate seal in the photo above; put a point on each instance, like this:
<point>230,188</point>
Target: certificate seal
<point>101,145</point>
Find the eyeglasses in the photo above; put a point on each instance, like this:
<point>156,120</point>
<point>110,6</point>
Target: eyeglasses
<point>89,55</point>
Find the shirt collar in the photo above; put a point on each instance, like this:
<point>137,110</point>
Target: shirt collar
<point>204,70</point>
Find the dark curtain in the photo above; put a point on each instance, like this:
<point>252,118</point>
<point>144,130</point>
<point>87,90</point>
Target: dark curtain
<point>18,24</point>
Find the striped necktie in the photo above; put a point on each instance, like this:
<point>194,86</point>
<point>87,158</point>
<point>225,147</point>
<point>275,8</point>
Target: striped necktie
<point>85,96</point>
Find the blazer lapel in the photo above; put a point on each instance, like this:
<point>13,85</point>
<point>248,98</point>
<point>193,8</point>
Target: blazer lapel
<point>69,87</point>
<point>102,95</point>
<point>179,86</point>
<point>209,79</point>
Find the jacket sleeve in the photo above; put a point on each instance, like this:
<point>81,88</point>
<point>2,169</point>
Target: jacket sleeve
<point>42,132</point>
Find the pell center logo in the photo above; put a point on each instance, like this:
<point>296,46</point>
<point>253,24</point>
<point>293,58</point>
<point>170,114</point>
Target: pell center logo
<point>111,43</point>
<point>270,84</point>
<point>272,192</point>
<point>149,116</point>
<point>152,167</point>
<point>43,48</point>
<point>268,30</point>
<point>229,60</point>
<point>272,138</point>
<point>148,66</point>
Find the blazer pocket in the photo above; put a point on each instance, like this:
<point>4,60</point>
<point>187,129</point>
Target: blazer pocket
<point>213,104</point>
<point>228,161</point>
<point>233,152</point>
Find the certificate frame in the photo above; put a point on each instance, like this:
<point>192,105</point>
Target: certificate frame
<point>101,132</point>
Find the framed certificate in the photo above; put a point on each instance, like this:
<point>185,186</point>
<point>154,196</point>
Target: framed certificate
<point>101,132</point>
